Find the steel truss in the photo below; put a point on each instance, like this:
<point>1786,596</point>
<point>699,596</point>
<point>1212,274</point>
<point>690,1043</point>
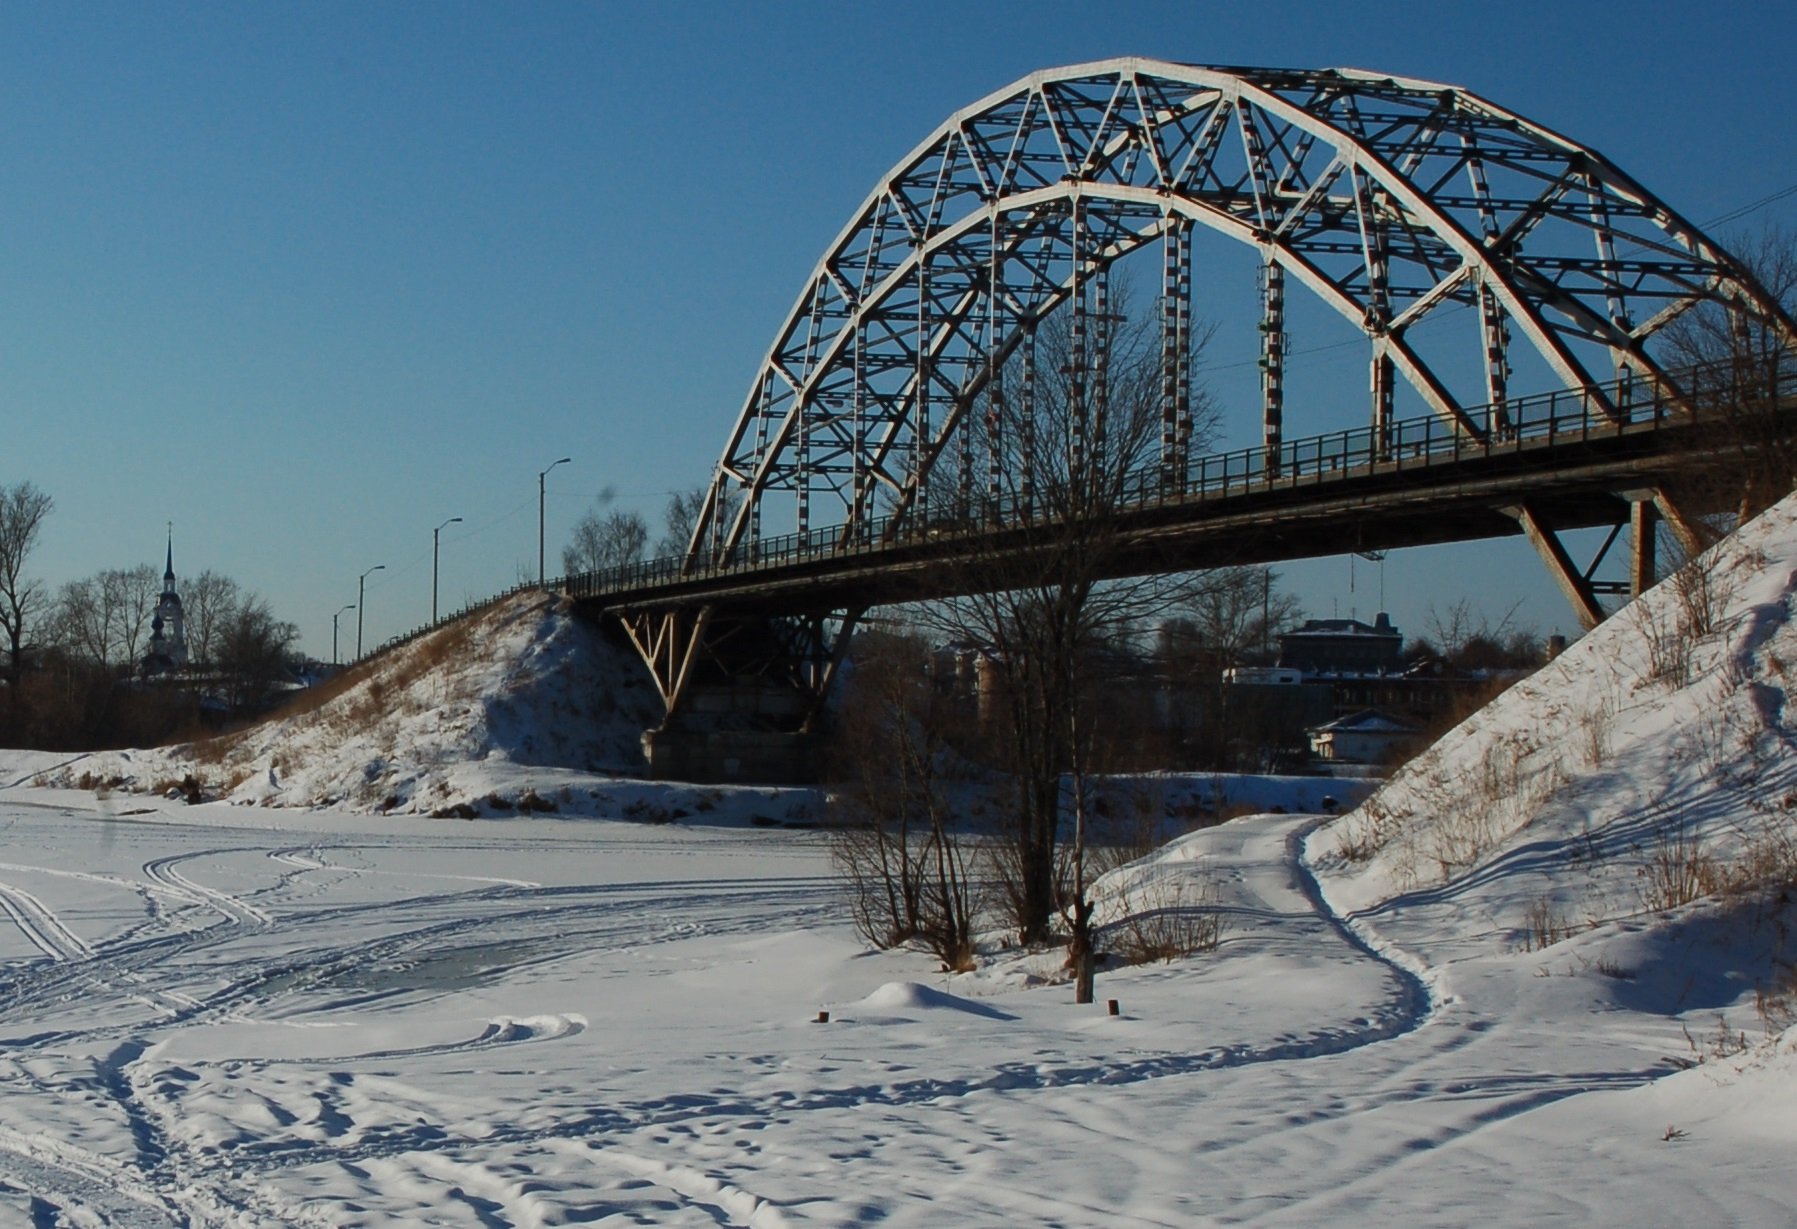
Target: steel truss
<point>1386,198</point>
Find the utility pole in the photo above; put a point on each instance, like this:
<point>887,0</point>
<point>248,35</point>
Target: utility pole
<point>439,529</point>
<point>540,480</point>
<point>361,603</point>
<point>340,610</point>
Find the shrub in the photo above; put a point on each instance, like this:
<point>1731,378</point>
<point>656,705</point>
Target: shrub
<point>1678,871</point>
<point>1165,917</point>
<point>1546,926</point>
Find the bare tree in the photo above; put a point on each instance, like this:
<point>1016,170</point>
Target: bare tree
<point>22,511</point>
<point>252,651</point>
<point>208,601</point>
<point>895,837</point>
<point>1458,630</point>
<point>605,541</point>
<point>1228,614</point>
<point>134,593</point>
<point>1050,606</point>
<point>681,517</point>
<point>103,619</point>
<point>81,622</point>
<point>1742,360</point>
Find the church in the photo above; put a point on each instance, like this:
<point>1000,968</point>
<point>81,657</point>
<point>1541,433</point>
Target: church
<point>168,630</point>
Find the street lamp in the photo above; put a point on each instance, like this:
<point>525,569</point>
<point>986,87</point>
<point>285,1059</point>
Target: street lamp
<point>540,478</point>
<point>341,609</point>
<point>439,529</point>
<point>362,601</point>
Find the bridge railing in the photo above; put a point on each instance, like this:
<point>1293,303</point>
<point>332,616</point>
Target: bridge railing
<point>1541,420</point>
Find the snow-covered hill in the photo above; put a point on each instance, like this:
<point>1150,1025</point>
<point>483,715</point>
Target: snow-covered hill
<point>1610,848</point>
<point>513,698</point>
<point>1654,759</point>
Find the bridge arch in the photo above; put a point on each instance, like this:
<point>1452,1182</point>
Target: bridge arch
<point>1387,198</point>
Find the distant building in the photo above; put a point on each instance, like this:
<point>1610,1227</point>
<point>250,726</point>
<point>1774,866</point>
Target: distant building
<point>1366,737</point>
<point>168,630</point>
<point>1343,646</point>
<point>1262,676</point>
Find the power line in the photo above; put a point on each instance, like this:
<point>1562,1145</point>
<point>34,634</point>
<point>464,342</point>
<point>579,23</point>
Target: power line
<point>1755,207</point>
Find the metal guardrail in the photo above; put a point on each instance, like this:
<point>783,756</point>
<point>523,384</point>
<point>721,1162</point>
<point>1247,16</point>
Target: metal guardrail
<point>1539,421</point>
<point>1542,420</point>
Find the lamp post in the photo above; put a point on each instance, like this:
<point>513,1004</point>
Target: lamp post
<point>362,601</point>
<point>340,610</point>
<point>540,477</point>
<point>439,529</point>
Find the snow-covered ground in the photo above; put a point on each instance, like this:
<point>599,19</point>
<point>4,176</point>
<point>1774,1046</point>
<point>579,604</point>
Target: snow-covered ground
<point>1469,1000</point>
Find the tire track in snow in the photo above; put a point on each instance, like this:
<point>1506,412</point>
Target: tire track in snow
<point>727,1203</point>
<point>39,923</point>
<point>1417,1001</point>
<point>162,870</point>
<point>499,1032</point>
<point>68,1185</point>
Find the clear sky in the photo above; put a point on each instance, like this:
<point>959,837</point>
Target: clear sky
<point>309,279</point>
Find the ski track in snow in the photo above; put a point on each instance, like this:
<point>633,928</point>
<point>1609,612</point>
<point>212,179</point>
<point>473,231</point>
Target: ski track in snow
<point>393,934</point>
<point>303,948</point>
<point>40,924</point>
<point>237,911</point>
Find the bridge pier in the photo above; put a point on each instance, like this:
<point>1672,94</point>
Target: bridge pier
<point>743,692</point>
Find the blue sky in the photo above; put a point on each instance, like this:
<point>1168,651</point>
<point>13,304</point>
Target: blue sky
<point>308,279</point>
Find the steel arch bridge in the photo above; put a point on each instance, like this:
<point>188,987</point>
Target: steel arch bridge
<point>1389,200</point>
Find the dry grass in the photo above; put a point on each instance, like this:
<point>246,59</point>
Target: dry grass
<point>1596,726</point>
<point>1545,926</point>
<point>1673,630</point>
<point>1679,870</point>
<point>1165,917</point>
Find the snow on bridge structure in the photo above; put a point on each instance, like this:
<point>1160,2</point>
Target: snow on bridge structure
<point>957,352</point>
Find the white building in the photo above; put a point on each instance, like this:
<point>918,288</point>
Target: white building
<point>1366,737</point>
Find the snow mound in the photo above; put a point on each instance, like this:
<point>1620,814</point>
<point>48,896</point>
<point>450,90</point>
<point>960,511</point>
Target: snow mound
<point>914,996</point>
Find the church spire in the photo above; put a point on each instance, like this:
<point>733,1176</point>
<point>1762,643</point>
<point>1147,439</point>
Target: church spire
<point>168,630</point>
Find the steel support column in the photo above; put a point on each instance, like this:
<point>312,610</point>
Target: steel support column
<point>1101,362</point>
<point>1026,428</point>
<point>1693,536</point>
<point>1384,382</point>
<point>1573,583</point>
<point>1643,522</point>
<point>1173,265</point>
<point>1076,343</point>
<point>669,642</point>
<point>1272,360</point>
<point>1497,363</point>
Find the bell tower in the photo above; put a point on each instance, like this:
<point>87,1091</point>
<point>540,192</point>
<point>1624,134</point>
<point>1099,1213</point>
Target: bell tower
<point>168,630</point>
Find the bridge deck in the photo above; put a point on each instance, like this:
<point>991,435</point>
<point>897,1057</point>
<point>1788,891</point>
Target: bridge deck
<point>1419,483</point>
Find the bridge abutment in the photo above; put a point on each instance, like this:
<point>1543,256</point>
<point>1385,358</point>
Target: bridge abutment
<point>731,757</point>
<point>743,691</point>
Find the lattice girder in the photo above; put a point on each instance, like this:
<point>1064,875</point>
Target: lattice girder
<point>1385,198</point>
